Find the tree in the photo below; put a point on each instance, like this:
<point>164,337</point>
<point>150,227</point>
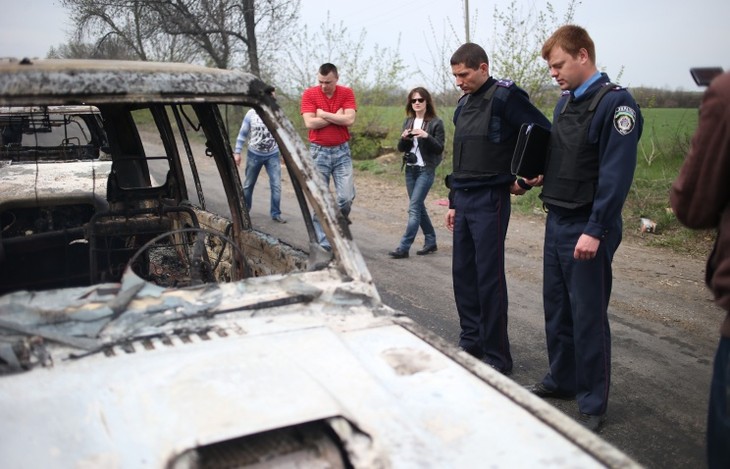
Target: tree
<point>229,32</point>
<point>519,38</point>
<point>128,22</point>
<point>222,33</point>
<point>109,49</point>
<point>513,48</point>
<point>275,22</point>
<point>374,75</point>
<point>437,74</point>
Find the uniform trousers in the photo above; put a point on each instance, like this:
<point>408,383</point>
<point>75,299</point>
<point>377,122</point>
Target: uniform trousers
<point>575,297</point>
<point>480,287</point>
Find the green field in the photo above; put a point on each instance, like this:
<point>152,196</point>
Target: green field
<point>664,142</point>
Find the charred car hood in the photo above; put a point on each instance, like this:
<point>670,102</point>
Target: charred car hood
<point>180,384</point>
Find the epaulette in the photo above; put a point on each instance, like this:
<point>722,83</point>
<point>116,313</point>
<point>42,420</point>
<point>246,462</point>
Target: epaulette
<point>505,83</point>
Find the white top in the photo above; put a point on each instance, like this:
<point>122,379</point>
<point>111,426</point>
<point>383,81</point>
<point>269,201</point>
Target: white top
<point>417,124</point>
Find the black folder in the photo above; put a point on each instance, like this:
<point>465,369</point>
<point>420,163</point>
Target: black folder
<point>531,150</point>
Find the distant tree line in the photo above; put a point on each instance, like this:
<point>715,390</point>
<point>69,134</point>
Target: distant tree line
<point>547,97</point>
<point>660,98</point>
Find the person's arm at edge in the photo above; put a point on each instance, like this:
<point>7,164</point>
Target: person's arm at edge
<point>241,139</point>
<point>700,193</point>
<point>616,167</point>
<point>615,173</point>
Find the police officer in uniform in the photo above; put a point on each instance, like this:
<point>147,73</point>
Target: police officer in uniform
<point>487,120</point>
<point>588,174</point>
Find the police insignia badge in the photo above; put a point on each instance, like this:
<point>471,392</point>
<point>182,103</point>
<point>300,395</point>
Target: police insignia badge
<point>624,120</point>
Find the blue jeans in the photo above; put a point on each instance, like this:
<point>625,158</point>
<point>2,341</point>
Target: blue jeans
<point>419,180</point>
<point>335,163</point>
<point>254,163</point>
<point>718,419</point>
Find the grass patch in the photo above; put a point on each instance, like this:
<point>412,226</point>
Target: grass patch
<point>662,148</point>
<point>370,166</point>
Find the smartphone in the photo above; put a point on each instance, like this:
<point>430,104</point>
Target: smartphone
<point>704,75</point>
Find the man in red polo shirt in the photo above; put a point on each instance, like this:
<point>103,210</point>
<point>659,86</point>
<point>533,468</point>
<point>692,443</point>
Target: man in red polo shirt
<point>329,110</point>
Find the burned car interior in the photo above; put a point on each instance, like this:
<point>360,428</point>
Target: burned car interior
<point>53,133</point>
<point>119,173</point>
<point>156,155</point>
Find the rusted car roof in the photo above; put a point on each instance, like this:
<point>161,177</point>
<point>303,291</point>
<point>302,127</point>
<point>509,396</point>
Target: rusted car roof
<point>104,81</point>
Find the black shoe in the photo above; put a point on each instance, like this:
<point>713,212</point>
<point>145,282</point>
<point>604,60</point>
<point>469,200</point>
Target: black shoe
<point>540,390</point>
<point>398,254</point>
<point>427,250</point>
<point>591,422</point>
<point>278,219</point>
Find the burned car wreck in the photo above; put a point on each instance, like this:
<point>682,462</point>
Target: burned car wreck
<point>46,153</point>
<point>145,322</point>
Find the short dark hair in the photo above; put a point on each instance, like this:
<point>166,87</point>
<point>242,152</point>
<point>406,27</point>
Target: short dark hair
<point>326,69</point>
<point>571,39</point>
<point>471,55</point>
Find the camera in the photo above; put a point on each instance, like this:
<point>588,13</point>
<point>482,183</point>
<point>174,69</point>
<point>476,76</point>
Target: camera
<point>410,158</point>
<point>704,75</point>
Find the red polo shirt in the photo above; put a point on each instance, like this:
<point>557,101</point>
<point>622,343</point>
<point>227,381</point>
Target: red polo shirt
<point>313,99</point>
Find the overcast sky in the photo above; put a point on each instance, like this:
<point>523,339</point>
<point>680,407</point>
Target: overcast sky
<point>654,41</point>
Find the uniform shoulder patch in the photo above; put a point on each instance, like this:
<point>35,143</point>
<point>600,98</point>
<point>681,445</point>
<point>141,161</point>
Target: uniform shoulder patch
<point>624,119</point>
<point>505,83</point>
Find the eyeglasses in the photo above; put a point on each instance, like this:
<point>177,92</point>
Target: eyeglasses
<point>417,100</point>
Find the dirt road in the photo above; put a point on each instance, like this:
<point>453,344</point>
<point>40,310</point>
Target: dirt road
<point>664,325</point>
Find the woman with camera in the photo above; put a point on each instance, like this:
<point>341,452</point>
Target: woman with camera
<point>422,142</point>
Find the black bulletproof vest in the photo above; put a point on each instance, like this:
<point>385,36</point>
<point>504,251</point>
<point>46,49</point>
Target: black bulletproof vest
<point>474,154</point>
<point>571,170</point>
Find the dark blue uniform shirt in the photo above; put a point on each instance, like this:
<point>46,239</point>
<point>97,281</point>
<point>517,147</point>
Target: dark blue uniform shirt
<point>507,118</point>
<point>616,133</point>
